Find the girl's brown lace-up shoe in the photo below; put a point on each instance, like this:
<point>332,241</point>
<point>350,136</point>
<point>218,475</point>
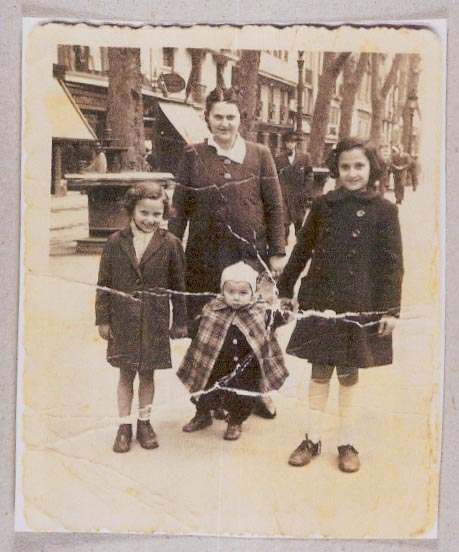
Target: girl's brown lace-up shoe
<point>146,435</point>
<point>305,451</point>
<point>348,459</point>
<point>123,438</point>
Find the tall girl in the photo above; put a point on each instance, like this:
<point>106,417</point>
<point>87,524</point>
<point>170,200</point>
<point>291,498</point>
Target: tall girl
<point>139,263</point>
<point>353,285</point>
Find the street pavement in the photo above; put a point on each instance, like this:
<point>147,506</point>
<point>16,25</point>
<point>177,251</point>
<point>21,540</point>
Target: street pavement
<point>199,483</point>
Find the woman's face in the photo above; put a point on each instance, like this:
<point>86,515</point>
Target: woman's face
<point>354,169</point>
<point>148,214</point>
<point>224,120</point>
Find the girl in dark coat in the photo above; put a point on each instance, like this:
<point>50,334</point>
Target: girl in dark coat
<point>138,264</point>
<point>350,297</point>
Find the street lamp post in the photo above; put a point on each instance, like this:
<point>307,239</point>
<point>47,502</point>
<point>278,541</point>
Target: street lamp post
<point>299,102</point>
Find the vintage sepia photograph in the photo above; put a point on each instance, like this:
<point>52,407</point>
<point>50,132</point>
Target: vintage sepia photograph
<point>232,281</point>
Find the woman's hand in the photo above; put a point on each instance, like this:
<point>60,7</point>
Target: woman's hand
<point>288,307</point>
<point>104,331</point>
<point>276,265</point>
<point>178,331</point>
<point>386,325</point>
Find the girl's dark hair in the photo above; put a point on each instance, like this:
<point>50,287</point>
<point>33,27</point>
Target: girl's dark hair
<point>145,190</point>
<point>221,95</point>
<point>370,150</point>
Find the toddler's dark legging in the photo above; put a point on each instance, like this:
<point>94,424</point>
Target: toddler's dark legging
<point>238,406</point>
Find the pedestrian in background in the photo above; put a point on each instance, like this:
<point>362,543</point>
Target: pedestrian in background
<point>386,161</point>
<point>401,163</point>
<point>351,294</point>
<point>137,265</point>
<point>296,179</point>
<point>228,191</point>
<point>234,356</point>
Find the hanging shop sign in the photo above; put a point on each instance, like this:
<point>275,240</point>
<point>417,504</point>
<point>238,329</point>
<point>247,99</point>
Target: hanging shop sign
<point>173,82</point>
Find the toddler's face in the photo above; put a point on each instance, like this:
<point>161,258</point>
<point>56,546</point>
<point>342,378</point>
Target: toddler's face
<point>354,169</point>
<point>148,214</point>
<point>237,294</point>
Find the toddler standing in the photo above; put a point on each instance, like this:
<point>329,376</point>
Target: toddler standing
<point>234,356</point>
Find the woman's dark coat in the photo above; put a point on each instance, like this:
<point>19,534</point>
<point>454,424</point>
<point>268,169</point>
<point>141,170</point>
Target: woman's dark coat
<point>235,213</point>
<point>354,242</point>
<point>139,321</point>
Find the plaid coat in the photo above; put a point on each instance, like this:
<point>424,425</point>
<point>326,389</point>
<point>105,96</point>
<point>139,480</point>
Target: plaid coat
<point>216,319</point>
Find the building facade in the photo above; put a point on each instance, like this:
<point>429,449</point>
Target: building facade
<point>174,116</point>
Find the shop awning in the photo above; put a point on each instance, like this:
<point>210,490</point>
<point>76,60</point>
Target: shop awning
<point>186,121</point>
<point>66,120</point>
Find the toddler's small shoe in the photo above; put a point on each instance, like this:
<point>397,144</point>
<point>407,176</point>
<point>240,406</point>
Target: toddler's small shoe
<point>264,407</point>
<point>348,459</point>
<point>146,435</point>
<point>220,414</point>
<point>123,438</point>
<point>200,420</point>
<point>304,452</point>
<point>233,432</point>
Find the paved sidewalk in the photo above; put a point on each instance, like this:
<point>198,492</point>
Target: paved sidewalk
<point>200,483</point>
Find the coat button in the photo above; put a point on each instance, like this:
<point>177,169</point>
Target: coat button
<point>227,176</point>
<point>352,252</point>
<point>360,212</point>
<point>138,282</point>
<point>234,341</point>
<point>227,161</point>
<point>355,233</point>
<point>235,358</point>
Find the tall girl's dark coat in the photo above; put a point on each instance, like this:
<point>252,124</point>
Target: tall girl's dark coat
<point>139,321</point>
<point>354,241</point>
<point>235,213</point>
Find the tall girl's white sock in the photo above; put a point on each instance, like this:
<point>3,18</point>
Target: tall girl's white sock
<point>318,397</point>
<point>347,415</point>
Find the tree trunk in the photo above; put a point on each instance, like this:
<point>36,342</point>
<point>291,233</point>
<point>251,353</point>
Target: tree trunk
<point>246,84</point>
<point>379,93</point>
<point>195,73</point>
<point>333,64</point>
<point>125,106</point>
<point>352,77</point>
<point>411,90</point>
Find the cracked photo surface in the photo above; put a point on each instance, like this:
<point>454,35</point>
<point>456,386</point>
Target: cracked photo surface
<point>232,280</point>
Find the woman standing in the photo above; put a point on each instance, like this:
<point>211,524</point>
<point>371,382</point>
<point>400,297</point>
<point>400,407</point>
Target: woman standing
<point>228,191</point>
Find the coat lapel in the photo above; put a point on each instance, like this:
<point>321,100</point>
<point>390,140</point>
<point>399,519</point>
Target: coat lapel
<point>127,245</point>
<point>157,241</point>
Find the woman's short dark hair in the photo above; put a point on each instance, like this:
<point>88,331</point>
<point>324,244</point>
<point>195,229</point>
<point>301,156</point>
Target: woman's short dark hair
<point>145,190</point>
<point>370,150</point>
<point>221,95</point>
